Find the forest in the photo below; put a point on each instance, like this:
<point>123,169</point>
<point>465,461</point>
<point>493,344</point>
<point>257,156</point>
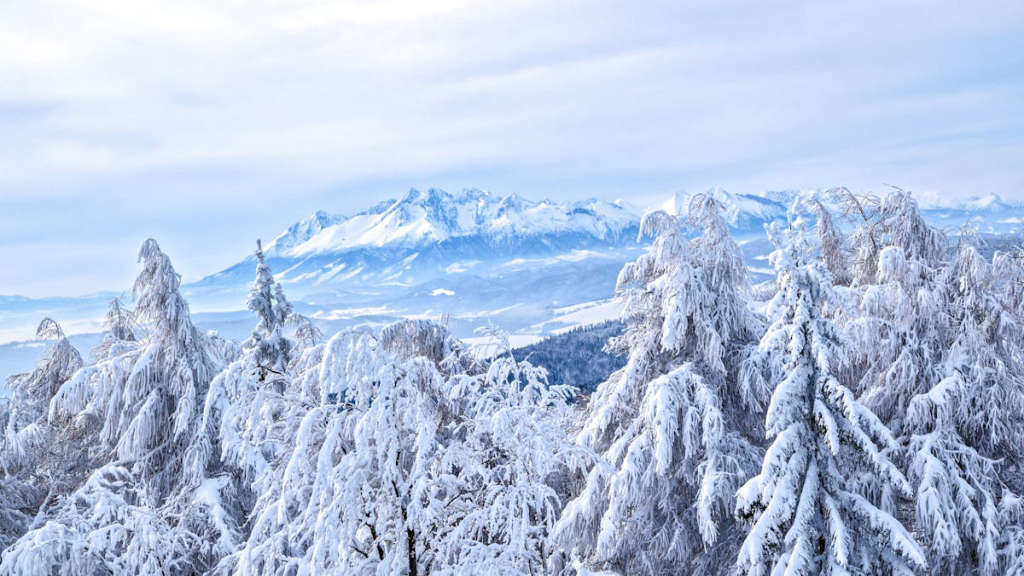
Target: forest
<point>860,413</point>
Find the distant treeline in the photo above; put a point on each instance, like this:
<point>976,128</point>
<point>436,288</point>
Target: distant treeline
<point>577,357</point>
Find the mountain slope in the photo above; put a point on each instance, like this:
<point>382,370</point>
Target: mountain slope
<point>425,237</point>
<point>435,216</point>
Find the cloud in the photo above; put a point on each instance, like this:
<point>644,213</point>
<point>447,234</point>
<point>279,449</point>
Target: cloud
<point>210,123</point>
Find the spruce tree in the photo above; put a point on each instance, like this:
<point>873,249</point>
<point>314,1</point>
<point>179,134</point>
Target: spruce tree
<point>810,509</point>
<point>670,427</point>
<point>251,408</point>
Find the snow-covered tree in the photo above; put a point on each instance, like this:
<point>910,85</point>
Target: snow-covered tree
<point>968,428</point>
<point>921,329</point>
<point>669,426</point>
<point>893,221</point>
<point>297,487</point>
<point>272,350</point>
<point>496,475</point>
<point>900,335</point>
<point>249,396</point>
<point>833,249</point>
<point>107,526</point>
<point>384,502</point>
<point>407,462</point>
<point>812,508</point>
<point>26,432</point>
<point>904,227</point>
<point>33,460</point>
<point>137,413</point>
<point>120,321</point>
<point>1008,277</point>
<point>863,210</point>
<point>121,329</point>
<point>895,318</point>
<point>251,409</point>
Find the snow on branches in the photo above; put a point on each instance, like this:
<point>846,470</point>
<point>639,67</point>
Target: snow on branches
<point>670,432</point>
<point>810,508</point>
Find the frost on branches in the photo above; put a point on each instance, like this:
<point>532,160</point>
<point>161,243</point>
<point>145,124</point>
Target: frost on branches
<point>33,458</point>
<point>135,415</point>
<point>901,324</point>
<point>670,426</point>
<point>938,359</point>
<point>811,509</point>
<point>893,221</point>
<point>251,411</point>
<point>410,459</point>
<point>966,431</point>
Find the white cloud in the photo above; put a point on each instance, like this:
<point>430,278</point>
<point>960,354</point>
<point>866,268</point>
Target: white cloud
<point>143,110</point>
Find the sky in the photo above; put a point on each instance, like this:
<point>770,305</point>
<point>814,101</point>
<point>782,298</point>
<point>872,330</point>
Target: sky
<point>208,124</point>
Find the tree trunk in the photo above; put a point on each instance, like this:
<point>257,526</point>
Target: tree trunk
<point>410,543</point>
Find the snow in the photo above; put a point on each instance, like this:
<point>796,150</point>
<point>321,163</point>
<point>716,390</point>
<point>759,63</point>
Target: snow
<point>870,424</point>
<point>600,312</point>
<point>572,256</point>
<point>583,314</point>
<point>208,491</point>
<point>434,216</point>
<point>335,274</point>
<point>460,267</point>
<point>302,231</point>
<point>349,313</point>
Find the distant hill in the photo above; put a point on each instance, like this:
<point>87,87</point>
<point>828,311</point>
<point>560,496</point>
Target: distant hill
<point>577,357</point>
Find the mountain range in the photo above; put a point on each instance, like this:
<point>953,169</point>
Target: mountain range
<point>472,258</point>
<point>427,235</point>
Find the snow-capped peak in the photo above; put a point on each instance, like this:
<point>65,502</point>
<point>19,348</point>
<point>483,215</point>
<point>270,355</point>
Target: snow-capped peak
<point>423,217</point>
<point>303,230</point>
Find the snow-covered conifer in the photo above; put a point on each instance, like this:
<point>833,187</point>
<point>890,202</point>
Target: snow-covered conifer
<point>967,428</point>
<point>833,249</point>
<point>137,413</point>
<point>405,462</point>
<point>811,508</point>
<point>251,407</point>
<point>670,426</point>
<point>33,460</point>
<point>266,298</point>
